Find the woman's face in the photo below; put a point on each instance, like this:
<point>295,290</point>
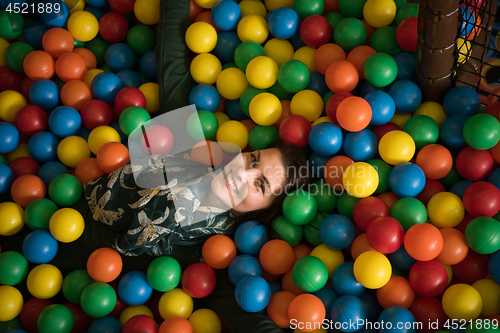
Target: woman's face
<point>251,181</point>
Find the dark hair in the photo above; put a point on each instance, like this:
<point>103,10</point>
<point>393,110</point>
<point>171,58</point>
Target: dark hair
<point>295,163</point>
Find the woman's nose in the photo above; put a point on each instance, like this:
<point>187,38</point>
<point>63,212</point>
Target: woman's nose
<point>251,174</point>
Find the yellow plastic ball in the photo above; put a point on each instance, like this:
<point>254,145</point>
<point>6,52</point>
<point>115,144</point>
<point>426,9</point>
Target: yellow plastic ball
<point>147,11</point>
<point>102,135</point>
<point>4,44</point>
<point>20,151</point>
<point>44,281</point>
<point>72,150</point>
<point>232,136</point>
<point>275,4</point>
<point>433,110</point>
<point>91,75</point>
<point>490,294</point>
<point>307,103</point>
<point>265,109</point>
<point>372,269</point>
<point>462,301</point>
<point>252,7</point>
<point>11,303</point>
<point>464,49</point>
<point>262,72</point>
<point>132,311</point>
<point>10,102</point>
<point>201,37</point>
<point>151,92</point>
<point>205,321</point>
<point>320,120</point>
<point>306,55</point>
<point>253,28</point>
<point>360,179</point>
<point>221,117</point>
<point>75,5</point>
<point>331,258</point>
<point>206,3</point>
<point>66,225</point>
<point>446,210</point>
<point>175,303</point>
<point>11,218</point>
<point>379,13</point>
<point>205,68</point>
<point>231,83</point>
<point>83,26</point>
<point>396,147</point>
<point>400,119</point>
<point>280,50</point>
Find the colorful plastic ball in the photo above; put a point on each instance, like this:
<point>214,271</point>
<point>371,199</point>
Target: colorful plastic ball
<point>45,94</point>
<point>44,281</point>
<point>331,258</point>
<point>380,70</point>
<point>39,247</point>
<point>198,280</point>
<point>407,179</point>
<point>493,266</point>
<point>201,37</point>
<point>75,94</point>
<point>348,312</point>
<point>231,83</point>
<point>308,310</point>
<point>6,178</point>
<point>341,76</point>
<point>31,119</point>
<point>27,188</point>
<point>55,318</point>
<point>242,266</point>
<point>423,241</point>
<point>265,109</point>
<point>482,131</point>
<point>105,86</point>
<point>74,284</point>
<point>226,15</point>
<point>435,160</point>
<point>164,273</point>
<point>134,289</point>
<point>64,121</point>
<point>428,278</point>
<point>354,114</point>
<point>315,30</point>
<point>372,269</point>
<point>175,303</point>
<point>50,170</point>
<point>57,41</point>
<point>112,156</point>
<point>88,56</point>
<point>344,282</point>
<point>66,225</point>
<point>397,314</point>
<point>396,147</point>
<point>325,139</point>
<point>218,251</point>
<point>482,199</point>
<point>262,72</point>
<point>382,105</point>
<point>396,292</point>
<point>474,267</point>
<point>407,65</point>
<point>367,209</point>
<point>309,273</point>
<point>205,68</point>
<point>98,299</point>
<point>334,169</point>
<point>83,26</point>
<point>9,137</point>
<point>119,56</point>
<point>113,27</point>
<point>65,190</point>
<point>148,12</point>
<point>360,179</point>
<point>350,33</point>
<point>361,146</point>
<point>462,301</point>
<point>205,97</point>
<point>206,321</point>
<point>249,237</point>
<point>385,234</point>
<point>140,323</point>
<point>279,50</point>
<point>276,257</point>
<point>252,28</point>
<point>406,94</point>
<point>455,247</point>
<point>14,268</point>
<point>176,324</point>
<point>278,307</point>
<point>24,166</point>
<point>232,136</point>
<point>252,293</point>
<point>100,136</point>
<point>104,265</point>
<point>295,130</point>
<point>95,113</point>
<point>39,65</point>
<point>245,52</point>
<point>337,232</point>
<point>480,169</point>
<point>294,76</point>
<point>72,150</point>
<point>299,207</point>
<point>489,291</point>
<point>261,136</point>
<point>71,66</point>
<point>10,103</point>
<point>379,13</point>
<point>407,35</point>
<point>461,100</point>
<point>481,235</point>
<point>128,77</point>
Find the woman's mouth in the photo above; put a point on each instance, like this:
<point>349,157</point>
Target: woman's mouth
<point>230,183</point>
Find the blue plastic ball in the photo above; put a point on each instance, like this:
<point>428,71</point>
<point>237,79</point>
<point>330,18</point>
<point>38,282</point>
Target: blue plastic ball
<point>205,97</point>
<point>337,232</point>
<point>84,133</point>
<point>348,312</point>
<point>451,131</point>
<point>105,86</point>
<point>325,139</point>
<point>97,12</point>
<point>234,110</point>
<point>129,78</point>
<point>296,40</point>
<point>252,293</point>
<point>317,164</point>
<point>402,320</point>
<point>327,295</point>
<point>383,107</point>
<point>134,289</point>
<point>33,34</point>
<point>407,66</point>
<point>284,22</point>
<point>105,325</point>
<point>148,65</point>
<point>461,100</point>
<point>373,307</point>
<point>361,146</point>
<point>55,18</point>
<point>119,56</point>
<point>459,187</point>
<point>226,15</point>
<point>250,237</point>
<point>406,94</point>
<point>407,179</point>
<point>39,247</point>
<point>366,87</point>
<point>275,287</point>
<point>97,3</point>
<point>227,42</point>
<point>242,266</point>
<point>123,137</point>
<point>344,282</point>
<point>317,83</point>
<point>494,177</point>
<point>45,94</point>
<point>51,170</point>
<point>468,21</point>
<point>494,266</point>
<point>42,146</point>
<point>6,178</point>
<point>64,121</point>
<point>9,138</point>
<point>400,259</point>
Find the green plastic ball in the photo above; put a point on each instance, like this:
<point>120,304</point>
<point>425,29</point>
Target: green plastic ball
<point>131,118</point>
<point>406,11</point>
<point>229,65</point>
<point>13,268</point>
<point>15,54</point>
<point>59,83</point>
<point>383,170</point>
<point>247,97</point>
<point>65,190</point>
<point>98,47</point>
<point>141,38</point>
<point>11,25</point>
<point>311,230</point>
<point>309,274</point>
<point>345,204</point>
<point>261,136</point>
<point>350,33</point>
<point>482,131</point>
<point>245,52</point>
<point>423,129</point>
<point>400,3</point>
<point>98,299</point>
<point>325,100</point>
<point>478,326</point>
<point>11,324</point>
<point>325,196</point>
<point>452,177</point>
<point>307,8</point>
<point>380,70</point>
<point>143,78</point>
<point>483,235</point>
<point>38,213</point>
<point>334,18</point>
<point>74,284</point>
<point>300,207</point>
<point>384,40</point>
<point>164,273</point>
<point>352,8</point>
<point>78,43</point>
<point>289,232</point>
<point>409,211</point>
<point>3,160</point>
<point>55,318</point>
<point>294,76</point>
<point>278,91</point>
<point>202,125</point>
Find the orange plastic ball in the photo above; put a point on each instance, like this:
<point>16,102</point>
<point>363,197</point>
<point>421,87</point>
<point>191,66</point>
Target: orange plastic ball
<point>207,152</point>
<point>354,114</point>
<point>88,56</point>
<point>39,65</point>
<point>277,309</point>
<point>218,251</point>
<point>288,285</point>
<point>389,198</point>
<point>360,245</point>
<point>27,188</point>
<point>104,265</point>
<point>307,308</point>
<point>57,41</point>
<point>194,10</point>
<point>276,256</point>
<point>435,160</point>
<point>75,93</point>
<point>358,56</point>
<point>397,291</point>
<point>112,156</point>
<point>301,250</point>
<point>334,171</point>
<point>88,170</point>
<point>423,241</point>
<point>495,151</point>
<point>71,66</point>
<point>285,112</point>
<point>341,76</point>
<point>327,54</point>
<point>455,247</point>
<point>176,325</point>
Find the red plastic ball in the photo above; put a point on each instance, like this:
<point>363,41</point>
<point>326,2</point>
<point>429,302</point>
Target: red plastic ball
<point>129,96</point>
<point>96,113</point>
<point>10,79</point>
<point>25,88</point>
<point>428,278</point>
<point>385,234</point>
<point>27,188</point>
<point>82,320</point>
<point>474,267</point>
<point>493,110</point>
<point>482,199</point>
<point>367,209</point>
<point>24,166</point>
<point>431,187</point>
<point>31,119</point>
<point>465,222</point>
<point>122,6</point>
<point>315,30</point>
<point>140,324</point>
<point>157,140</point>
<point>407,35</point>
<point>295,130</point>
<point>198,280</point>
<point>333,104</point>
<point>30,312</point>
<point>429,310</point>
<point>480,169</point>
<point>71,66</point>
<point>113,27</point>
<point>381,130</point>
